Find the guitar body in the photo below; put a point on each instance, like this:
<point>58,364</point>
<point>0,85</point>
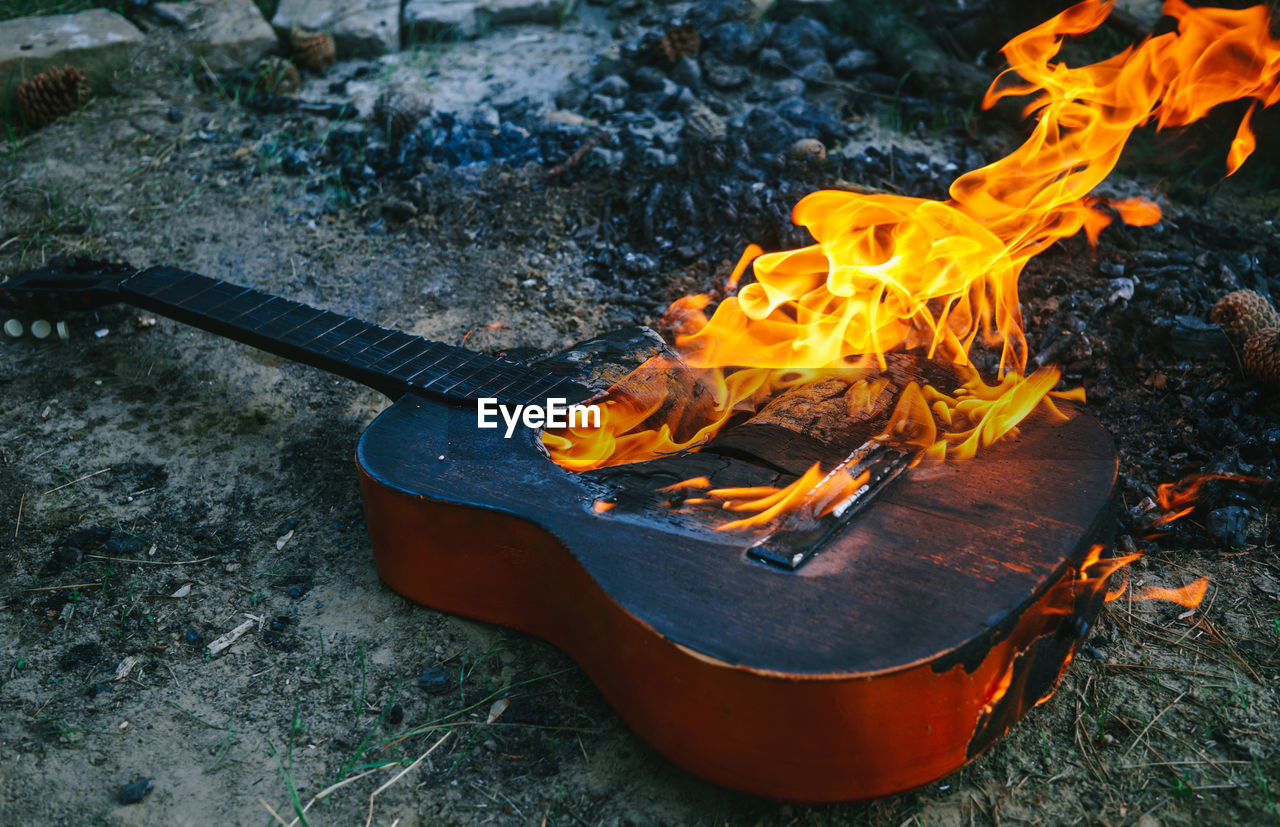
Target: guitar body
<point>873,651</point>
<point>899,653</point>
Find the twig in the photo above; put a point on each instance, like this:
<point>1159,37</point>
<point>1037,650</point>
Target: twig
<point>73,482</point>
<point>596,138</point>
<point>332,788</point>
<point>231,637</point>
<point>71,586</point>
<point>18,524</point>
<point>271,810</point>
<point>1151,723</point>
<point>401,774</point>
<point>152,562</point>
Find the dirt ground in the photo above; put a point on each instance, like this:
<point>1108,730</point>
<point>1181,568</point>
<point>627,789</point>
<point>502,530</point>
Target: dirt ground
<point>192,455</point>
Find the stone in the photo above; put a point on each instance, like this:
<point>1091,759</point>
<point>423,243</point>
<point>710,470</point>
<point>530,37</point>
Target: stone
<point>733,41</point>
<point>359,29</point>
<point>97,41</point>
<point>854,61</point>
<point>227,34</point>
<point>818,72</point>
<point>723,75</point>
<point>613,85</point>
<point>687,72</point>
<point>800,33</point>
<point>429,19</point>
<point>507,12</point>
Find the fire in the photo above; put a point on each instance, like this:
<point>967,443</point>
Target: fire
<point>1178,499</point>
<point>890,272</point>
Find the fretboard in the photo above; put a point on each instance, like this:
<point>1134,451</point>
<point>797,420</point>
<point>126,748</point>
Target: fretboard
<point>386,360</point>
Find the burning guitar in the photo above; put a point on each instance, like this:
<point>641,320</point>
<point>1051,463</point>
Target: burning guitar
<point>776,553</point>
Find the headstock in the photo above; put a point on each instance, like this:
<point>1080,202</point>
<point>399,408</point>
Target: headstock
<point>32,298</point>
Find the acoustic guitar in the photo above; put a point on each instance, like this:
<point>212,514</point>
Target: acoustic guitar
<point>873,652</point>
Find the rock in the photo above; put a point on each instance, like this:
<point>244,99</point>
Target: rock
<point>786,88</point>
<point>507,12</point>
<point>808,149</point>
<point>97,41</point>
<point>648,79</point>
<point>135,791</point>
<point>772,59</point>
<point>855,60</point>
<point>800,33</point>
<point>435,681</point>
<point>430,19</point>
<point>803,57</point>
<point>359,29</point>
<point>733,41</point>
<point>769,131</point>
<point>710,13</point>
<point>817,72</point>
<point>613,85</point>
<point>228,34</point>
<point>687,72</point>
<point>723,75</point>
<point>1228,525</point>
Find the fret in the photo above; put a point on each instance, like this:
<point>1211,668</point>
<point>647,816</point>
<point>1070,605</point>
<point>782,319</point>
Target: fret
<point>185,289</point>
<point>464,373</point>
<point>409,359</point>
<point>358,345</point>
<point>265,314</point>
<point>435,350</point>
<point>241,305</point>
<point>467,358</point>
<point>218,294</point>
<point>513,379</point>
<point>398,347</point>
<point>290,320</point>
<point>321,322</point>
<point>470,386</point>
<point>325,343</point>
<point>520,392</point>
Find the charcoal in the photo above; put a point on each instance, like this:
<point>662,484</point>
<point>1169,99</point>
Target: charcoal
<point>1228,525</point>
<point>800,33</point>
<point>687,72</point>
<point>733,42</point>
<point>772,59</point>
<point>818,71</point>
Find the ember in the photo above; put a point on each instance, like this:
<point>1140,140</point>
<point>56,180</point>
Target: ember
<point>895,273</point>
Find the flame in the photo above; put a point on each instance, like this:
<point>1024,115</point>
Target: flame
<point>890,272</point>
<point>1189,596</point>
<point>1178,499</point>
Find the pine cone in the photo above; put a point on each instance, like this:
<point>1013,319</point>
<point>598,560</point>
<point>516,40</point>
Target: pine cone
<point>701,124</point>
<point>51,94</point>
<point>312,51</point>
<point>678,42</point>
<point>277,76</point>
<point>399,112</point>
<point>1243,313</point>
<point>1262,356</point>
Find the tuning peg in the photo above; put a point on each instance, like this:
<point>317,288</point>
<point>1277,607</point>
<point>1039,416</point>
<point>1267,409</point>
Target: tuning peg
<point>13,328</point>
<point>64,332</point>
<point>41,329</point>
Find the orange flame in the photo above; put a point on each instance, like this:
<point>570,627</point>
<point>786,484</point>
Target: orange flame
<point>1189,596</point>
<point>1178,499</point>
<point>890,272</point>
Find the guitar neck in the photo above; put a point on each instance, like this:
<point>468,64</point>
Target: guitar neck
<point>386,360</point>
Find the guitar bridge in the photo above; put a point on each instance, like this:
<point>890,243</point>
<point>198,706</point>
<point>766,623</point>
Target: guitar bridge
<point>798,538</point>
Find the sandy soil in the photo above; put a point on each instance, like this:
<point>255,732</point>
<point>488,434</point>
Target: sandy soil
<point>193,452</point>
